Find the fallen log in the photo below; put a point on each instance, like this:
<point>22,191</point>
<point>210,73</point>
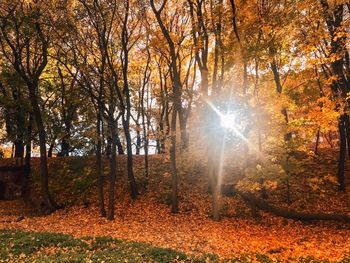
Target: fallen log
<point>263,205</point>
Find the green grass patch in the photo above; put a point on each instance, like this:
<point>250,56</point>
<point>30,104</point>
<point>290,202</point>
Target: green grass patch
<point>20,246</point>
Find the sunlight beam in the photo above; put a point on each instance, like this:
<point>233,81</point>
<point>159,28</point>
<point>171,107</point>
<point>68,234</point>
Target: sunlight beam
<point>228,121</point>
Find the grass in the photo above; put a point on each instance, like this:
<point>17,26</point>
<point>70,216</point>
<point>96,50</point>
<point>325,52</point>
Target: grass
<point>20,246</point>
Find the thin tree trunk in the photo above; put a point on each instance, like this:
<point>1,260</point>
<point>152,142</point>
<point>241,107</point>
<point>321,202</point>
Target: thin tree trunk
<point>145,135</point>
<point>174,194</point>
<point>216,194</point>
<point>183,130</point>
<point>100,180</point>
<point>347,127</point>
<point>328,138</point>
<point>138,140</point>
<point>20,123</point>
<point>216,65</point>
<point>126,118</point>
<point>146,153</point>
<point>276,75</point>
<point>317,141</point>
<point>176,101</point>
<point>342,153</point>
<point>49,152</point>
<point>213,180</point>
<point>27,163</point>
<point>65,147</point>
<point>132,181</point>
<point>12,150</point>
<point>245,75</point>
<point>120,146</point>
<point>113,171</point>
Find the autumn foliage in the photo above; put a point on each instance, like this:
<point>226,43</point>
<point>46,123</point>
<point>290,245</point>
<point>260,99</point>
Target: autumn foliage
<point>204,126</point>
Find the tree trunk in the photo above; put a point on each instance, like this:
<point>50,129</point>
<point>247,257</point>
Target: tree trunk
<point>19,148</point>
<point>176,102</point>
<point>20,124</point>
<point>119,146</point>
<point>317,141</point>
<point>64,147</point>
<point>342,152</point>
<point>174,194</point>
<point>347,127</point>
<point>138,140</point>
<point>13,150</point>
<point>48,201</point>
<point>276,76</point>
<point>145,137</point>
<point>245,75</point>
<point>126,118</point>
<point>49,152</point>
<point>113,171</point>
<point>99,166</point>
<point>160,139</point>
<point>183,129</point>
<point>204,80</point>
<point>27,163</point>
<point>263,205</point>
<point>215,187</point>
<point>132,181</point>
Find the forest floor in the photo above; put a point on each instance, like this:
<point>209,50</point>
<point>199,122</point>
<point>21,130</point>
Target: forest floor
<point>148,219</point>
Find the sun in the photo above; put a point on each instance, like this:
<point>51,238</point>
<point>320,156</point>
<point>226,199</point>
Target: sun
<point>228,121</point>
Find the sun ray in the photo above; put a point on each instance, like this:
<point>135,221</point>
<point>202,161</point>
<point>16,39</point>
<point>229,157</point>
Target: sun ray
<point>227,121</point>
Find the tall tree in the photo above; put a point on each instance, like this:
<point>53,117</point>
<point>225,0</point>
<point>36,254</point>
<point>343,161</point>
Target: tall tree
<point>176,89</point>
<point>339,57</point>
<point>25,41</point>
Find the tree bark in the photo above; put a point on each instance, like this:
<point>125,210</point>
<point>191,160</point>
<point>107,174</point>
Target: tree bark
<point>290,214</point>
<point>119,146</point>
<point>317,141</point>
<point>65,146</point>
<point>132,181</point>
<point>347,127</point>
<point>27,163</point>
<point>138,139</point>
<point>49,152</point>
<point>340,84</point>
<point>176,101</point>
<point>215,186</point>
<point>201,42</point>
<point>19,148</point>
<point>99,166</point>
<point>113,170</point>
<point>174,194</point>
<point>342,152</point>
<point>48,201</point>
<point>20,123</point>
<point>127,112</point>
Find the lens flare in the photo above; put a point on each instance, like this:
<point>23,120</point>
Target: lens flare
<point>228,121</point>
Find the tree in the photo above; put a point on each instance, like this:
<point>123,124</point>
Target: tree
<point>25,41</point>
<point>339,57</point>
<point>176,88</point>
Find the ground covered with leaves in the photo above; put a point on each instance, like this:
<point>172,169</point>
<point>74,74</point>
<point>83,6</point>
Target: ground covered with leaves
<point>237,236</point>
